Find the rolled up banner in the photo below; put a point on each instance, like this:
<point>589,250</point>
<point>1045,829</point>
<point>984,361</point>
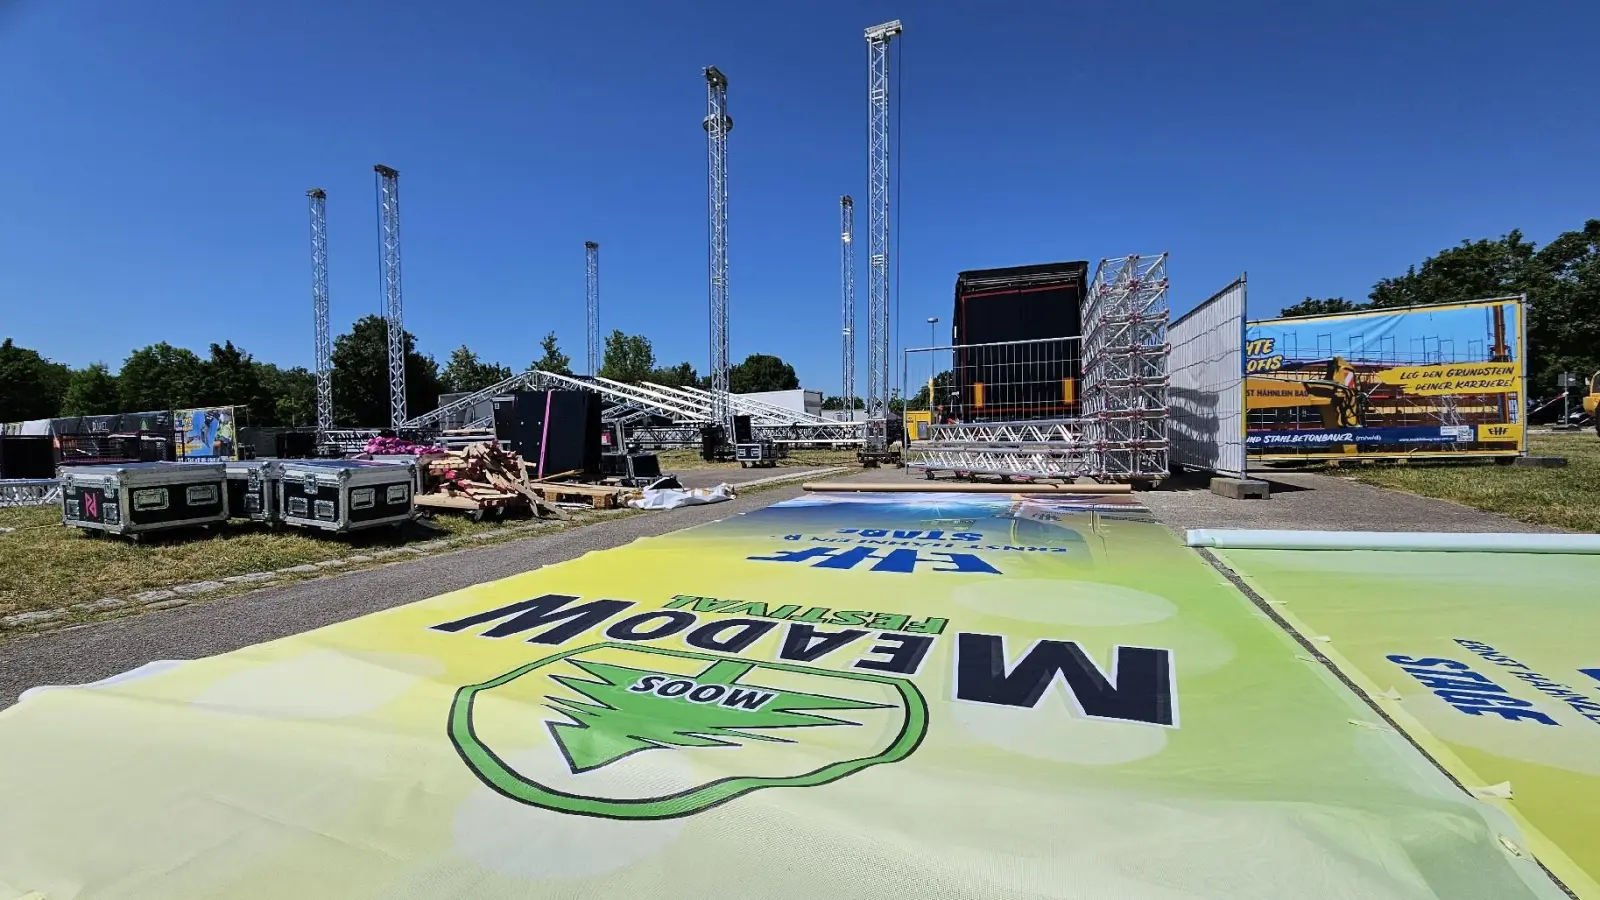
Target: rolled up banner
<point>1282,539</point>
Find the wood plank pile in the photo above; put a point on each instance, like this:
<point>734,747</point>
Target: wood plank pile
<point>482,478</point>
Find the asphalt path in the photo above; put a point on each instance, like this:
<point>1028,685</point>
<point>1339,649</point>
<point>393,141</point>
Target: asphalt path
<point>208,627</point>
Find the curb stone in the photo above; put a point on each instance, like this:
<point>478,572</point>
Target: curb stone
<point>200,587</point>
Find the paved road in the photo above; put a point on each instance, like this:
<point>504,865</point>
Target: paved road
<point>1311,502</point>
<point>206,628</point>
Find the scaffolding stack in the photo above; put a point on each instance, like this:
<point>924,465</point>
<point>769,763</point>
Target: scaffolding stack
<point>1125,354</point>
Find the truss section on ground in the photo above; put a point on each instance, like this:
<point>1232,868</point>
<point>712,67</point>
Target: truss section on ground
<point>29,492</point>
<point>1125,353</point>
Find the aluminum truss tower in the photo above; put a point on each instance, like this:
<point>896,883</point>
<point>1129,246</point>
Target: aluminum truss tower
<point>393,308</point>
<point>878,39</point>
<point>1125,354</point>
<point>591,261</point>
<point>717,124</point>
<point>847,291</point>
<point>318,199</point>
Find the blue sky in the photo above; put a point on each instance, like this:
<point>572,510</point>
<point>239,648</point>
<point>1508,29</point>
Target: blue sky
<point>157,157</point>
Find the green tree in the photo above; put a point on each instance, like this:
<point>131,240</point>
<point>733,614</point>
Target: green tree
<point>465,372</point>
<point>943,384</point>
<point>678,376</point>
<point>361,375</point>
<point>31,387</point>
<point>159,377</point>
<point>553,361</point>
<point>629,358</point>
<point>1312,306</point>
<point>1475,270</point>
<point>761,372</point>
<point>91,392</point>
<point>293,392</point>
<point>837,402</point>
<point>230,377</point>
<point>1564,307</point>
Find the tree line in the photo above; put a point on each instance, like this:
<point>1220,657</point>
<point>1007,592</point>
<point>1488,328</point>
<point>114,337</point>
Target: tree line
<point>1561,281</point>
<point>161,376</point>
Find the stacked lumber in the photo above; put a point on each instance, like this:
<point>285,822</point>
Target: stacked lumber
<point>481,478</point>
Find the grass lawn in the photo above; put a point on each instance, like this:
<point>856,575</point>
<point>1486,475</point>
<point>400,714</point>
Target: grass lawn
<point>47,566</point>
<point>44,565</point>
<point>679,460</point>
<point>1567,498</point>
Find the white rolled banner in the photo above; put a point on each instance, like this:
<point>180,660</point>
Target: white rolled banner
<point>1442,542</point>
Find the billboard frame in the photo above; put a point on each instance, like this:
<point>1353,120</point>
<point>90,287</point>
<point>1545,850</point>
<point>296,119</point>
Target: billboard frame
<point>1518,304</point>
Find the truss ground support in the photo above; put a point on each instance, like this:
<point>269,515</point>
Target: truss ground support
<point>1014,460</point>
<point>1125,354</point>
<point>393,304</point>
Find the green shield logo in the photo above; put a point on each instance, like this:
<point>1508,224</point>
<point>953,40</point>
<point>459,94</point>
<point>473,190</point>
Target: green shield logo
<point>632,732</point>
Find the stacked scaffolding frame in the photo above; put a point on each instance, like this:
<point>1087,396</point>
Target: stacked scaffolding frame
<point>1125,354</point>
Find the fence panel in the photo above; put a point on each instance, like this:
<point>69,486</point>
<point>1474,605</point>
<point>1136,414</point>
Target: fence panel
<point>1206,392</point>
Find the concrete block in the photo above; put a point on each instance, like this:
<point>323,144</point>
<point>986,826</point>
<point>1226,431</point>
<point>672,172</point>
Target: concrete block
<point>200,587</point>
<point>1240,488</point>
<point>1541,462</point>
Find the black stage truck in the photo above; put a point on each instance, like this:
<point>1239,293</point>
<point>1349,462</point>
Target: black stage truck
<point>1028,381</point>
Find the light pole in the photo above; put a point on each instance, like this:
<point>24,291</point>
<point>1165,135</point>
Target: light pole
<point>933,322</point>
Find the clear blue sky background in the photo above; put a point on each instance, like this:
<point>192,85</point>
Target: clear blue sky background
<point>157,155</point>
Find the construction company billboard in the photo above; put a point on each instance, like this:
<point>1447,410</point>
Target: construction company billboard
<point>205,434</point>
<point>1442,380</point>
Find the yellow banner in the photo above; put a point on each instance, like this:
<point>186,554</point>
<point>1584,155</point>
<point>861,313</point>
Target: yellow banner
<point>1455,378</point>
<point>1500,433</point>
<point>865,698</point>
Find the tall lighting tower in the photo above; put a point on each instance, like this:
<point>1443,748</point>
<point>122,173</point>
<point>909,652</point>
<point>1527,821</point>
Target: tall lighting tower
<point>393,308</point>
<point>591,259</point>
<point>878,38</point>
<point>717,124</point>
<point>847,289</point>
<point>319,307</point>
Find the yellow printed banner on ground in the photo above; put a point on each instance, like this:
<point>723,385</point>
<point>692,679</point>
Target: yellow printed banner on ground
<point>1490,660</point>
<point>877,696</point>
<point>1455,378</point>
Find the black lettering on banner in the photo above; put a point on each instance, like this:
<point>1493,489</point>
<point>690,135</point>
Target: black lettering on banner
<point>1140,688</point>
<point>798,642</point>
<point>628,629</point>
<point>904,653</point>
<point>747,699</point>
<point>539,611</point>
<point>706,693</point>
<point>675,688</point>
<point>749,631</point>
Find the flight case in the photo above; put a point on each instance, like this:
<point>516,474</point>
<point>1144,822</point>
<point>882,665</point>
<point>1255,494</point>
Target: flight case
<point>139,497</point>
<point>344,494</point>
<point>253,490</point>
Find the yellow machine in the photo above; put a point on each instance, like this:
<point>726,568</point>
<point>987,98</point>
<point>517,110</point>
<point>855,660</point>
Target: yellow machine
<point>1334,394</point>
<point>1591,403</point>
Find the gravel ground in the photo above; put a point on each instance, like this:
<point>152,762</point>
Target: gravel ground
<point>1305,501</point>
<point>92,652</point>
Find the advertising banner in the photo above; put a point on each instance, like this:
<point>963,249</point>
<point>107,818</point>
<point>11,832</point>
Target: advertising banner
<point>1491,661</point>
<point>1417,381</point>
<point>873,696</point>
<point>205,434</point>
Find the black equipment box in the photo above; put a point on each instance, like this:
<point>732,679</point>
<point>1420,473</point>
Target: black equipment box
<point>253,490</point>
<point>632,466</point>
<point>139,497</point>
<point>1020,303</point>
<point>342,495</point>
<point>758,454</point>
<point>553,431</point>
<point>27,456</point>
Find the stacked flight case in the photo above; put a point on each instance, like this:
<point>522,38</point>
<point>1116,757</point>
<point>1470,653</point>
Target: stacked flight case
<point>137,498</point>
<point>342,495</point>
<point>253,490</point>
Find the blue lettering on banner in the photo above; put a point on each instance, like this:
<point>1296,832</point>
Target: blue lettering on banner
<point>1467,691</point>
<point>1445,434</point>
<point>1582,704</point>
<point>901,561</point>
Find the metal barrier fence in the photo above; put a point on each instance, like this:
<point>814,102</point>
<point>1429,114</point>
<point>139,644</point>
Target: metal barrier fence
<point>1007,408</point>
<point>1207,388</point>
